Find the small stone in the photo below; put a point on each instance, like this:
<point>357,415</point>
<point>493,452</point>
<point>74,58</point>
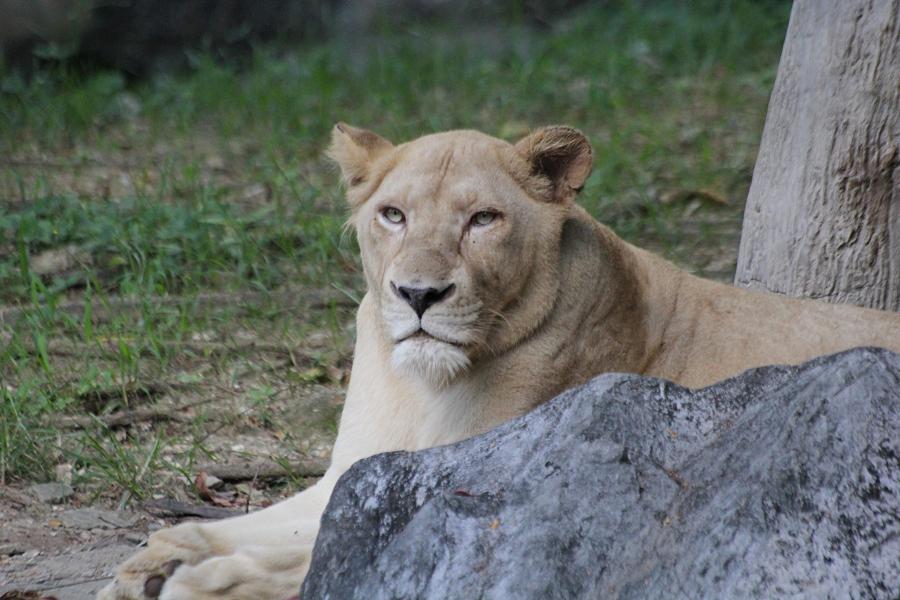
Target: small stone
<point>63,473</point>
<point>135,538</point>
<point>59,260</point>
<point>10,550</point>
<point>128,105</point>
<point>213,482</point>
<point>52,492</point>
<point>93,518</point>
<point>215,163</point>
<point>203,336</point>
<point>246,493</point>
<point>318,339</point>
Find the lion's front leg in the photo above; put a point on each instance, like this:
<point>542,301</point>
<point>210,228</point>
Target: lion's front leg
<point>265,555</point>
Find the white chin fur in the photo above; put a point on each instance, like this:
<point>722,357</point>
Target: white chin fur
<point>437,363</point>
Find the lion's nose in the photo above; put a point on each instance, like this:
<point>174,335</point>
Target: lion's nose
<point>420,299</point>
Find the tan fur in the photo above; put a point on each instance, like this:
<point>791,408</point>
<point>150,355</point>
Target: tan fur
<point>544,299</point>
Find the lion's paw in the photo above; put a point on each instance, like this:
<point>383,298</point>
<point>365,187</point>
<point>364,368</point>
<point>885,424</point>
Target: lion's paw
<point>145,574</point>
<point>235,577</point>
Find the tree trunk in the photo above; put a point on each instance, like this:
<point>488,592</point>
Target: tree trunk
<point>823,215</point>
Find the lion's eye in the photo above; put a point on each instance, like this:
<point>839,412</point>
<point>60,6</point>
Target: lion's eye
<point>484,217</point>
<point>393,215</point>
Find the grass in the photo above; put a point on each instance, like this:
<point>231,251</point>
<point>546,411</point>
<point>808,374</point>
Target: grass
<point>166,190</point>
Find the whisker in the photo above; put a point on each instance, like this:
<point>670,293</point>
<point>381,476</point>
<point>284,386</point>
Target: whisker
<point>500,315</point>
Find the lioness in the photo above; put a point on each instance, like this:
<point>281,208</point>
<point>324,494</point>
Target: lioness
<point>489,292</point>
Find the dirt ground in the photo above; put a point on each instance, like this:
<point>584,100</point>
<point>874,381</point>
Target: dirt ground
<point>63,551</point>
<point>68,547</point>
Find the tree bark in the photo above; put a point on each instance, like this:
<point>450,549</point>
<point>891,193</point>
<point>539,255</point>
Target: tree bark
<point>823,215</point>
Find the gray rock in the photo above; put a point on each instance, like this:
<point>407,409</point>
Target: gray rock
<point>781,482</point>
<point>53,492</point>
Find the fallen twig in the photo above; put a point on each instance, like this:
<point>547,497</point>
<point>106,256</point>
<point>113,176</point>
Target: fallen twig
<point>105,309</point>
<point>79,164</point>
<point>682,195</point>
<point>132,390</point>
<point>25,595</point>
<point>128,417</point>
<point>110,346</point>
<point>119,419</point>
<point>165,507</point>
<point>13,495</point>
<point>266,469</point>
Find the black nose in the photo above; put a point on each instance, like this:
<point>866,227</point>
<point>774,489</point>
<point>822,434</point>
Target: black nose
<point>422,298</point>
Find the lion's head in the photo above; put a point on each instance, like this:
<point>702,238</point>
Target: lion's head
<point>460,237</point>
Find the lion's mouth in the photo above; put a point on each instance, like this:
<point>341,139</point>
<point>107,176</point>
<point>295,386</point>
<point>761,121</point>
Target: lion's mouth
<point>421,334</point>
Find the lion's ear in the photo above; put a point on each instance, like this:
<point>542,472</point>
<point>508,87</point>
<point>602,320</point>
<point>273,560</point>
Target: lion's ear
<point>561,154</point>
<point>354,149</point>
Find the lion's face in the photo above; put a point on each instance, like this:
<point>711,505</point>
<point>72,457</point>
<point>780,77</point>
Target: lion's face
<point>460,240</point>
